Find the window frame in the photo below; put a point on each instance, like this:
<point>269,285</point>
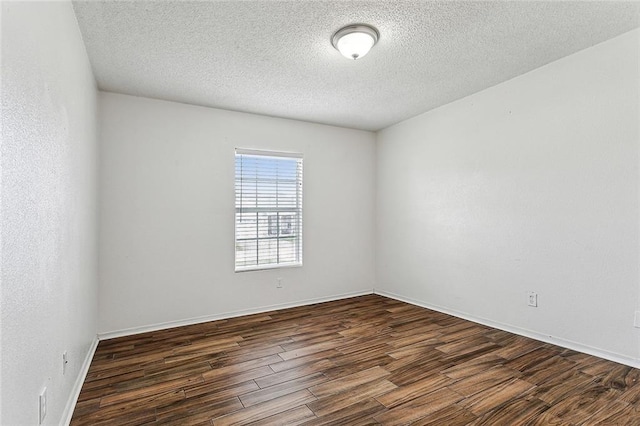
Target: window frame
<point>296,229</point>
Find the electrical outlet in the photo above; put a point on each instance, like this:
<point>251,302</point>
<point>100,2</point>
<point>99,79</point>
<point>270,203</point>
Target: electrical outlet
<point>43,405</point>
<point>532,299</point>
<point>65,361</point>
<point>279,283</point>
<point>636,321</point>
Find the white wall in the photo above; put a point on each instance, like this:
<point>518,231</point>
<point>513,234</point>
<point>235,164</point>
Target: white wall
<point>49,179</point>
<point>167,212</point>
<point>531,185</point>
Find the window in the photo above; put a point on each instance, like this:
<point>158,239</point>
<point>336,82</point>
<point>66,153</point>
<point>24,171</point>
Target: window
<point>282,224</point>
<point>268,209</point>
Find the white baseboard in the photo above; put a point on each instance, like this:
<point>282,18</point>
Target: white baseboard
<point>226,315</point>
<point>77,386</point>
<point>622,359</point>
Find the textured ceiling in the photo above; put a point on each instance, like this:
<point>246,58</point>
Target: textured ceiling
<point>275,57</point>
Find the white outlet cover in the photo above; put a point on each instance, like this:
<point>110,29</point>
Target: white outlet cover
<point>532,299</point>
<point>636,321</point>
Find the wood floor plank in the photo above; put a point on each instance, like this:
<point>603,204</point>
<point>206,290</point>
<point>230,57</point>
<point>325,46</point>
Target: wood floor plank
<point>400,340</point>
<point>296,362</point>
<point>452,415</point>
<point>96,382</point>
<point>403,394</point>
<point>603,416</point>
<point>518,347</point>
<point>519,411</point>
<point>547,370</point>
<point>584,405</point>
<point>155,389</point>
<point>196,410</point>
<point>338,401</point>
<point>223,390</point>
<point>294,373</point>
<point>473,366</point>
<point>626,417</point>
<point>216,345</point>
<point>301,343</point>
<point>544,419</point>
<point>485,380</point>
<point>359,414</point>
<point>531,359</point>
<point>129,418</point>
<point>244,353</point>
<point>621,377</point>
<point>420,369</point>
<point>467,332</point>
<point>563,386</point>
<point>419,407</point>
<point>462,347</point>
<point>238,377</point>
<point>265,409</point>
<point>490,398</point>
<point>126,409</point>
<point>318,347</point>
<point>266,394</point>
<point>418,348</point>
<point>293,417</point>
<point>350,381</point>
<point>360,361</point>
<point>631,395</point>
<point>239,367</point>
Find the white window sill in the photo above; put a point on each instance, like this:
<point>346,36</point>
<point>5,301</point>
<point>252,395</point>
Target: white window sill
<point>268,267</point>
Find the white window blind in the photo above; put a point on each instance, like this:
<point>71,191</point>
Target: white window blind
<point>268,209</point>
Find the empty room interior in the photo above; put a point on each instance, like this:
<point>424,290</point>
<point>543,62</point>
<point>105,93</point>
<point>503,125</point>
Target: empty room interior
<point>320,212</point>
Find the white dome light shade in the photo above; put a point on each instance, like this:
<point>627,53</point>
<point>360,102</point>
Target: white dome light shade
<point>355,41</point>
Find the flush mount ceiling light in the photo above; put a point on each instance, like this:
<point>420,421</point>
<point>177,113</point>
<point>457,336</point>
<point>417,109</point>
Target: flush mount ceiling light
<point>355,41</point>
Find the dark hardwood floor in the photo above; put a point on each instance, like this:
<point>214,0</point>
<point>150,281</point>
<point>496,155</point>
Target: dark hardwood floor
<point>360,361</point>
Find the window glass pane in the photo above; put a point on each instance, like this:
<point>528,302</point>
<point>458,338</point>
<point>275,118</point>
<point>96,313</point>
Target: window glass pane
<point>268,191</point>
<point>246,253</point>
<point>268,251</point>
<point>287,250</point>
